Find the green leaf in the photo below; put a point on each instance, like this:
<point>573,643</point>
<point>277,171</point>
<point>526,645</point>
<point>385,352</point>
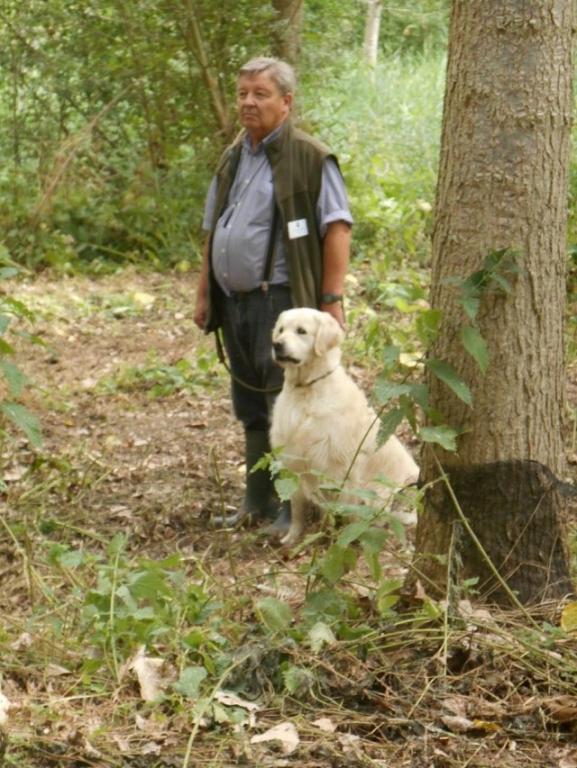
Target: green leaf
<point>449,376</point>
<point>476,346</point>
<point>386,390</point>
<point>389,422</point>
<point>189,682</point>
<point>274,614</point>
<point>24,420</point>
<point>391,357</point>
<point>297,679</point>
<point>352,532</point>
<point>286,486</point>
<point>14,376</point>
<point>320,635</point>
<point>337,561</point>
<point>373,539</point>
<point>443,435</point>
<point>427,325</point>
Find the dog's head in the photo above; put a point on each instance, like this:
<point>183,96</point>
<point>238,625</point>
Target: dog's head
<point>303,335</point>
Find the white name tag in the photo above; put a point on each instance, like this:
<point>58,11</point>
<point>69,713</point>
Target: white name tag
<point>297,228</point>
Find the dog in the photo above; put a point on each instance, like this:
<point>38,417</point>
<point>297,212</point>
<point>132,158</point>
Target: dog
<point>322,425</point>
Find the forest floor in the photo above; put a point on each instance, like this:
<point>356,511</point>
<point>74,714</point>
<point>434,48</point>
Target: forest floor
<point>139,441</point>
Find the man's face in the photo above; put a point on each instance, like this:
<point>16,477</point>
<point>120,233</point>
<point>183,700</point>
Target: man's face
<point>261,105</point>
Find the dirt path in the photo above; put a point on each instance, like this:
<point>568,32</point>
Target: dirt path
<point>139,440</point>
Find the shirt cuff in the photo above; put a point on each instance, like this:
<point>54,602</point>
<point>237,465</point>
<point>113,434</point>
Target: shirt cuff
<point>341,215</point>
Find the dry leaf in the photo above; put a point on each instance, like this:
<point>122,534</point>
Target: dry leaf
<point>146,670</point>
<point>561,709</point>
<point>285,733</point>
<point>458,724</point>
<point>4,707</point>
<point>325,724</point>
<point>230,699</point>
<point>22,641</point>
<point>569,760</point>
<point>569,618</point>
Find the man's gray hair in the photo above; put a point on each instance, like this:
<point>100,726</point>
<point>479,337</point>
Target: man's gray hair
<point>281,72</point>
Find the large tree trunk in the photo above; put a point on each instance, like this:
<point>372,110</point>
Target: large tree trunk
<point>372,29</point>
<point>502,185</point>
<point>286,42</point>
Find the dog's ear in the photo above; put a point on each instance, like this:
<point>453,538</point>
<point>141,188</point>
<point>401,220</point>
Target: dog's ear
<point>329,334</point>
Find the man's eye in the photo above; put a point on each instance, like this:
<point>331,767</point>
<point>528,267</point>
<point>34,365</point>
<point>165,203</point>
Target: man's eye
<point>301,331</point>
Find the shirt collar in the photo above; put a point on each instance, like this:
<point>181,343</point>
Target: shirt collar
<point>261,145</point>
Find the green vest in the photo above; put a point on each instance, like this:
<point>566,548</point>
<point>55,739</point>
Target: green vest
<point>296,160</point>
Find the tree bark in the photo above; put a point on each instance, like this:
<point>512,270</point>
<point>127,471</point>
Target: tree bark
<point>503,185</point>
<point>286,42</point>
<point>372,29</point>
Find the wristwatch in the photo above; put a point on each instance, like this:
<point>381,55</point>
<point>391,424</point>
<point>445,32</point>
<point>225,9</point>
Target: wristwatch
<point>331,298</point>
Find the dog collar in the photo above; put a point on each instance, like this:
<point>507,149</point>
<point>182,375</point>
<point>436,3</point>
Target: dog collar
<point>314,381</point>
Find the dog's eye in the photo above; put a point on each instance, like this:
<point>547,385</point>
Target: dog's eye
<point>302,331</point>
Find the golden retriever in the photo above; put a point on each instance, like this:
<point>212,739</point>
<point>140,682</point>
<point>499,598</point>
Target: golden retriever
<point>322,425</point>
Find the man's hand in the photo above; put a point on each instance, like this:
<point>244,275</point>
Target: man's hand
<point>336,310</point>
<point>200,312</point>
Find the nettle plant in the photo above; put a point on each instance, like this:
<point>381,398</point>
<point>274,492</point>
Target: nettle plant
<point>13,381</point>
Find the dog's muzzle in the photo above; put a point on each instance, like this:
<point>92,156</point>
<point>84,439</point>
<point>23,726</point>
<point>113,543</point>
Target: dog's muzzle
<point>280,356</point>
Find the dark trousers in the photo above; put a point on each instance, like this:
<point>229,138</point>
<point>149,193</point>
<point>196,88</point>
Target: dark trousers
<point>247,323</point>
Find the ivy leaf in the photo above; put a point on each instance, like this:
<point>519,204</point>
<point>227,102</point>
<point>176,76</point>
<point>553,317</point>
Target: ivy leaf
<point>274,614</point>
<point>476,346</point>
<point>24,420</point>
<point>449,376</point>
<point>444,436</point>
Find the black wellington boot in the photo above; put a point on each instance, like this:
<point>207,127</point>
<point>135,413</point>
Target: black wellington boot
<point>260,503</point>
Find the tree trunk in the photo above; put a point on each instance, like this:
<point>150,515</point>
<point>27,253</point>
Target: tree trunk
<point>286,42</point>
<point>502,185</point>
<point>372,28</point>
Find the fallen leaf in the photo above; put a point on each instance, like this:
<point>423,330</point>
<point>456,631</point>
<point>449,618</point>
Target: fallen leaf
<point>569,760</point>
<point>569,618</point>
<point>5,705</point>
<point>22,641</point>
<point>146,670</point>
<point>230,699</point>
<point>561,709</point>
<point>285,733</point>
<point>325,724</point>
<point>457,723</point>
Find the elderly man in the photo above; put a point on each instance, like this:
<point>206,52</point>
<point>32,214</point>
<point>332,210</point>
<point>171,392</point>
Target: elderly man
<point>279,229</point>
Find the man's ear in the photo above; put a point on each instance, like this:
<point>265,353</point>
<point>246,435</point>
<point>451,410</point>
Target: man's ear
<point>329,334</point>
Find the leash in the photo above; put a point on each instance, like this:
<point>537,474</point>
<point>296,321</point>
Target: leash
<point>222,358</point>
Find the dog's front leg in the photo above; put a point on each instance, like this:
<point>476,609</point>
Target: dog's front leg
<point>298,520</point>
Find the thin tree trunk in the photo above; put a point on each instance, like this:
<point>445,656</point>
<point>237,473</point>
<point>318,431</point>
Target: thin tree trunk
<point>372,29</point>
<point>503,185</point>
<point>196,46</point>
<point>286,42</point>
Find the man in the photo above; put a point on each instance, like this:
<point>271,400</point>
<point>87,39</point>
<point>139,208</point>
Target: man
<point>279,236</point>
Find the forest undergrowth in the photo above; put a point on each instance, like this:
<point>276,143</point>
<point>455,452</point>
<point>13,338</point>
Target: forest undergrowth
<point>135,635</point>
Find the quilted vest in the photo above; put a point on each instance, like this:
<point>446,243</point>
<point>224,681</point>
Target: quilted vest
<point>296,160</point>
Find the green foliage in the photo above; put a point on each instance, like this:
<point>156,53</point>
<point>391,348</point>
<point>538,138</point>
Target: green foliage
<point>162,379</point>
<point>11,411</point>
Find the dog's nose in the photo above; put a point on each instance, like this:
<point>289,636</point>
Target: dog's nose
<point>278,347</point>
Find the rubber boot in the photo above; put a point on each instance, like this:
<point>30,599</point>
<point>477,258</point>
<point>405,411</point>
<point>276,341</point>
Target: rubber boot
<point>260,501</point>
